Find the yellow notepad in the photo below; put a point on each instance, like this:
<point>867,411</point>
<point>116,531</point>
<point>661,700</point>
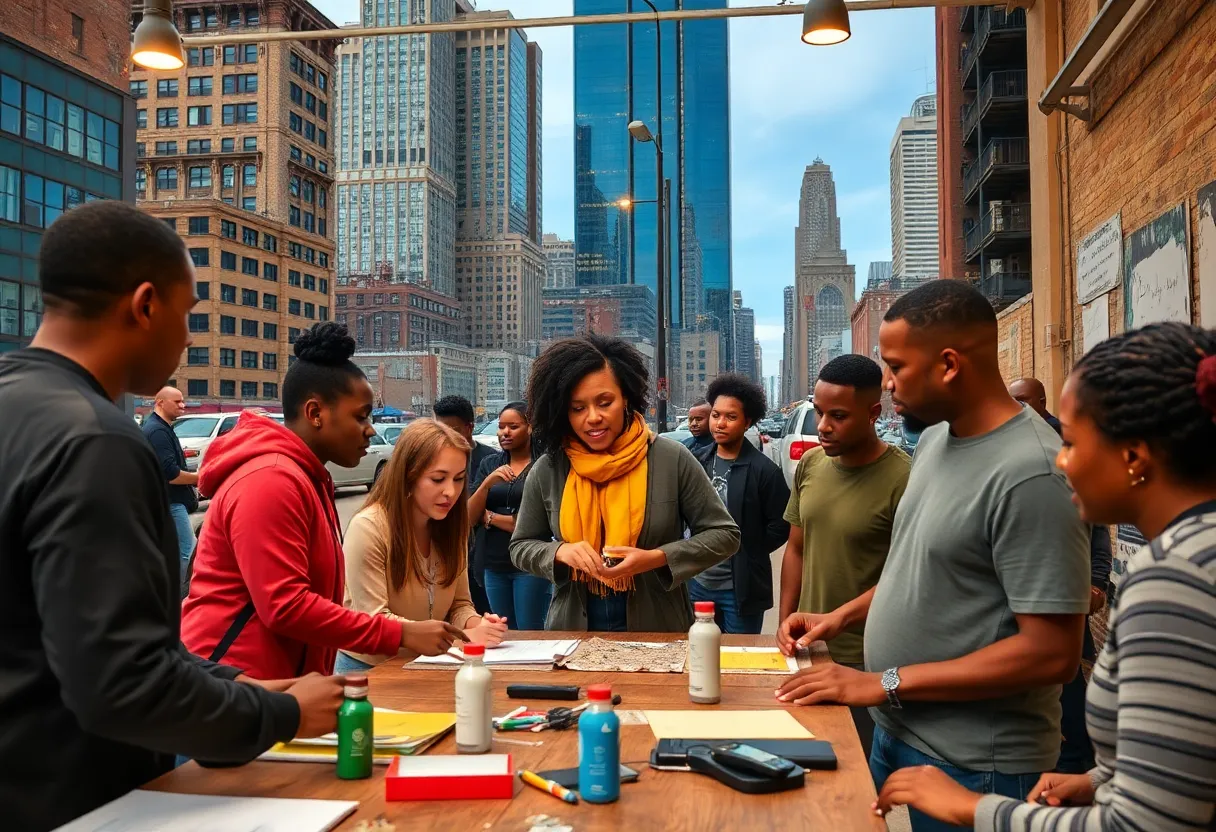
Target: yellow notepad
<point>754,658</point>
<point>716,725</point>
<point>397,733</point>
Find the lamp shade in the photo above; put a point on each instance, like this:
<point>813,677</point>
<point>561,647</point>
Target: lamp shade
<point>825,22</point>
<point>156,43</point>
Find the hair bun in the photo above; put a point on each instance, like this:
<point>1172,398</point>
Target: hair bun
<point>328,344</point>
<point>1205,384</point>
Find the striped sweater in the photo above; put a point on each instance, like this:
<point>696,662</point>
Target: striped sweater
<point>1151,705</point>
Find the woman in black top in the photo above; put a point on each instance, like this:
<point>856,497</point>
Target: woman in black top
<point>498,488</point>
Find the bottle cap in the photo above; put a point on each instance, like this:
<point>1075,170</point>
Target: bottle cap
<point>355,686</point>
<point>474,649</point>
<point>599,693</point>
<point>356,680</point>
<point>706,607</point>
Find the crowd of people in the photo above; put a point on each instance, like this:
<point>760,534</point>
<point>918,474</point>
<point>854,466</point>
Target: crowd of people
<point>952,587</point>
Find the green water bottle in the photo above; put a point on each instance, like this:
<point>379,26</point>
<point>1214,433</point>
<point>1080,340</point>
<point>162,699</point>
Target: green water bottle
<point>355,731</point>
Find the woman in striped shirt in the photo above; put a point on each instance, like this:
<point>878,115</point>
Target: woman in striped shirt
<point>1139,419</point>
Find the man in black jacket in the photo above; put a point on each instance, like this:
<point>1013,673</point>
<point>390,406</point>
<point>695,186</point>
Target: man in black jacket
<point>158,428</point>
<point>96,692</point>
<point>754,491</point>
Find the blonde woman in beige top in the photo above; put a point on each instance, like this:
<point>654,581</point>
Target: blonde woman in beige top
<point>406,551</point>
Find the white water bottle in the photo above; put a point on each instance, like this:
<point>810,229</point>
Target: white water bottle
<point>474,718</point>
<point>705,657</point>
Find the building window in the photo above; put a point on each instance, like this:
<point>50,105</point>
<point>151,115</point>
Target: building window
<point>204,56</point>
<point>228,176</point>
<point>246,53</point>
<point>270,271</point>
<point>200,176</point>
<point>227,388</point>
<point>270,242</point>
<point>228,261</point>
<point>294,152</point>
<point>270,332</point>
<point>200,323</point>
<point>240,114</point>
<point>227,358</point>
<point>270,390</point>
<point>249,360</point>
<point>322,138</point>
<point>310,311</point>
<point>166,179</point>
<point>198,356</point>
<point>166,88</point>
<point>198,116</point>
<point>297,94</point>
<point>196,147</point>
<point>227,145</point>
<point>139,89</point>
<point>310,222</point>
<point>249,176</point>
<point>249,266</point>
<point>249,328</point>
<point>240,84</point>
<point>141,185</point>
<point>196,387</point>
<point>198,225</point>
<point>249,203</point>
<point>249,297</point>
<point>200,256</point>
<point>78,33</point>
<point>199,85</point>
<point>249,236</point>
<point>171,222</point>
<point>203,290</point>
<point>166,117</point>
<point>293,277</point>
<point>293,186</point>
<point>270,302</point>
<point>308,191</point>
<point>323,313</point>
<point>228,229</point>
<point>166,148</point>
<point>250,142</point>
<point>310,282</point>
<point>249,389</point>
<point>293,306</point>
<point>324,286</point>
<point>252,16</point>
<point>141,119</point>
<point>293,333</point>
<point>293,215</point>
<point>295,122</point>
<point>227,293</point>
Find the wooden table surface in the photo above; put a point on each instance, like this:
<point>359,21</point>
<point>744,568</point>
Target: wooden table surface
<point>835,801</point>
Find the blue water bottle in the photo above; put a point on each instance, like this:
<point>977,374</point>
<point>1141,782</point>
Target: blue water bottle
<point>599,748</point>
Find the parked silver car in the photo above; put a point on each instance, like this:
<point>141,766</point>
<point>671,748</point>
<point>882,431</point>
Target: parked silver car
<point>197,431</point>
<point>800,435</point>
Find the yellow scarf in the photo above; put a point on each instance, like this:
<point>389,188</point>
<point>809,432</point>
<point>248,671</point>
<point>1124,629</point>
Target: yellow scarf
<point>604,502</point>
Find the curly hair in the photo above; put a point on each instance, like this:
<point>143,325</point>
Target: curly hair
<point>739,386</point>
<point>562,366</point>
<point>1157,384</point>
<point>323,367</point>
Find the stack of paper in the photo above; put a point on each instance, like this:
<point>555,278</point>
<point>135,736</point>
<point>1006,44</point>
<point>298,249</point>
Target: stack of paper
<point>757,660</point>
<point>398,733</point>
<point>535,655</point>
<point>147,811</point>
<point>713,725</point>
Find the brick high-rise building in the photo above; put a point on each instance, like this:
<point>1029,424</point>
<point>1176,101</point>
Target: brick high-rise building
<point>559,262</point>
<point>234,152</point>
<point>500,266</point>
<point>392,315</point>
<point>67,133</point>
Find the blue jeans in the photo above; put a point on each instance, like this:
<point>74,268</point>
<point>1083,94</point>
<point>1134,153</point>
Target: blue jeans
<point>346,664</point>
<point>522,598</point>
<point>726,612</point>
<point>1076,750</point>
<point>608,613</point>
<point>889,754</point>
<point>185,533</point>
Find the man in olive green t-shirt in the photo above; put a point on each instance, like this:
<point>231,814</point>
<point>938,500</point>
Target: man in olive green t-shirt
<point>841,509</point>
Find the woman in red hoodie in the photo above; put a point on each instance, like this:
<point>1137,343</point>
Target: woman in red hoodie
<point>266,591</point>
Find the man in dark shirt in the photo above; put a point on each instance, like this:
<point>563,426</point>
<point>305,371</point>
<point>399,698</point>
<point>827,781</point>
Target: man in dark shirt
<point>457,413</point>
<point>158,428</point>
<point>698,426</point>
<point>96,692</point>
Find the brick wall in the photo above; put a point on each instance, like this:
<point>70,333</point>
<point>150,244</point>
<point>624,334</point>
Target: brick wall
<point>46,25</point>
<point>1153,144</point>
<point>949,143</point>
<point>1015,340</point>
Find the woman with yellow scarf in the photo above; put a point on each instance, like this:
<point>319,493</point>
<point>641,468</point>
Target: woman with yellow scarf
<point>605,509</point>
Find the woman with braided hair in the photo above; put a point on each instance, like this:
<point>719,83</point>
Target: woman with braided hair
<point>1139,424</point>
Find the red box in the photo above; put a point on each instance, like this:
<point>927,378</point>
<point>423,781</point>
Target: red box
<point>450,777</point>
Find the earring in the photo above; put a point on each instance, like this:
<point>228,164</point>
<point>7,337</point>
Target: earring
<point>317,424</point>
<point>1131,472</point>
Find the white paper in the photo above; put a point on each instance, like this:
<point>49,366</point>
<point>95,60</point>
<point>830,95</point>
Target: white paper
<point>148,811</point>
<point>454,765</point>
<point>1100,260</point>
<point>1157,277</point>
<point>1095,321</point>
<point>542,651</point>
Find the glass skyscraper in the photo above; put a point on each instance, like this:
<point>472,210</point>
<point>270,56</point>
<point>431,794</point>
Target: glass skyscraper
<point>614,83</point>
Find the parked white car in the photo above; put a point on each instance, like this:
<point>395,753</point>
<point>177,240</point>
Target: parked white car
<point>197,431</point>
<point>487,434</point>
<point>799,436</point>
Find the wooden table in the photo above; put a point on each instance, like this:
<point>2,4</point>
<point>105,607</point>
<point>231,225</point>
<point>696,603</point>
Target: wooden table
<point>835,801</point>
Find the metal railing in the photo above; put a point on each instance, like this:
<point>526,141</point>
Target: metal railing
<point>1003,288</point>
<point>1008,83</point>
<point>1004,218</point>
<point>988,20</point>
<point>997,152</point>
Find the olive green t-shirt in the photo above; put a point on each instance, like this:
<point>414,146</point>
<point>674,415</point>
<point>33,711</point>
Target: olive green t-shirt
<point>846,515</point>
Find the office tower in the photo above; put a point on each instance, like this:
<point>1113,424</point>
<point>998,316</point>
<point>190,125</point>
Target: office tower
<point>758,374</point>
<point>67,135</point>
<point>559,262</point>
<point>500,265</point>
<point>787,346</point>
<point>914,243</point>
<point>614,83</point>
<point>234,152</point>
<point>984,150</point>
<point>695,363</point>
<point>825,280</point>
<point>628,311</point>
<point>396,177</point>
<point>880,272</point>
<point>744,338</point>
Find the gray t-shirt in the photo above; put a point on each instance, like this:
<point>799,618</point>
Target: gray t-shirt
<point>719,576</point>
<point>986,529</point>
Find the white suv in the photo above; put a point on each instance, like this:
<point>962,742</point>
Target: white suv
<point>800,435</point>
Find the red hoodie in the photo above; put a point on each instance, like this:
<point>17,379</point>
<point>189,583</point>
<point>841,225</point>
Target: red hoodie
<point>269,572</point>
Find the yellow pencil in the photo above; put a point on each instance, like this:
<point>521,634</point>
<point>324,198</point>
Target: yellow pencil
<point>555,789</point>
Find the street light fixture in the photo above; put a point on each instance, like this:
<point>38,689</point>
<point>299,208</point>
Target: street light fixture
<point>157,43</point>
<point>640,131</point>
<point>825,22</point>
<point>624,203</point>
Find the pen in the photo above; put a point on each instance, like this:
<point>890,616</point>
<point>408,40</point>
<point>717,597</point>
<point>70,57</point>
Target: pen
<point>555,789</point>
<point>523,722</point>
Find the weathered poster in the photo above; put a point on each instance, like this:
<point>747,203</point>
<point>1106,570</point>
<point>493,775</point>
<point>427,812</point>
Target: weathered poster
<point>1100,260</point>
<point>1156,271</point>
<point>1095,321</point>
<point>1205,255</point>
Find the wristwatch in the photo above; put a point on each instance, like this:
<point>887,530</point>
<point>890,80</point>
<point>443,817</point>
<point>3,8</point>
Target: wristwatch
<point>890,684</point>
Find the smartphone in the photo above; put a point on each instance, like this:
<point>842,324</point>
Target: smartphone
<point>750,758</point>
<point>568,777</point>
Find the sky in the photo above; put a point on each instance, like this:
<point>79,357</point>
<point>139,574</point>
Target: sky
<point>789,103</point>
